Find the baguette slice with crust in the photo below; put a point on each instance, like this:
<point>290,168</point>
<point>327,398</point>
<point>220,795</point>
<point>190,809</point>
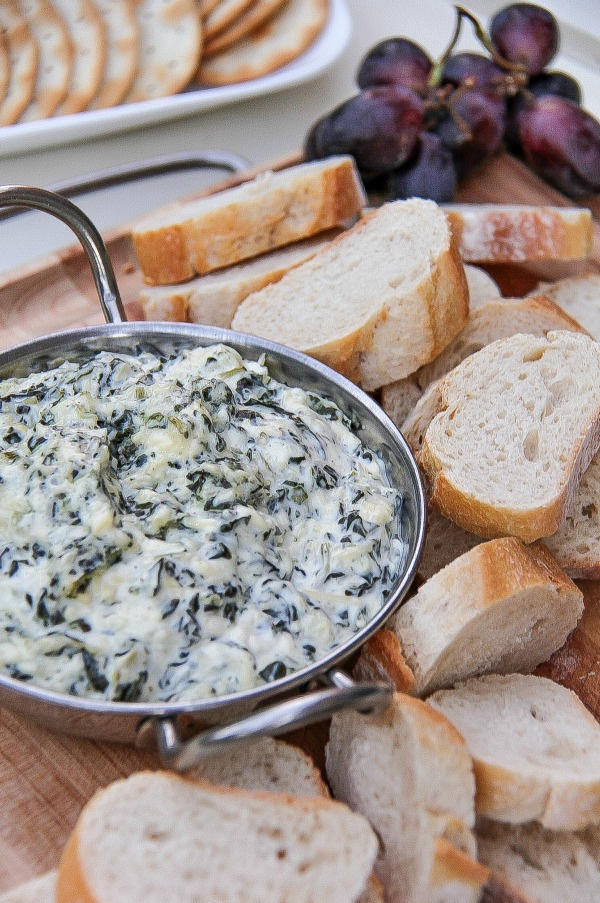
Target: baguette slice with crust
<point>501,607</point>
<point>535,749</point>
<point>156,836</point>
<point>496,319</point>
<point>376,303</point>
<point>212,299</point>
<point>516,426</point>
<point>38,890</point>
<point>265,765</point>
<point>408,771</point>
<point>546,866</point>
<point>579,296</point>
<point>274,209</point>
<point>497,233</point>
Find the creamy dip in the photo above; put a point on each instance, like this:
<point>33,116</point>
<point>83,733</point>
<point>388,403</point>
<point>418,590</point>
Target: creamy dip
<point>182,527</point>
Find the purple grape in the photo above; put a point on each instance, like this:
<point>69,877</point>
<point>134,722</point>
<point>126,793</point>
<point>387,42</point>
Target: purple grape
<point>396,61</point>
<point>482,70</point>
<point>561,142</point>
<point>379,127</point>
<point>558,83</point>
<point>473,127</point>
<point>527,34</point>
<point>430,173</point>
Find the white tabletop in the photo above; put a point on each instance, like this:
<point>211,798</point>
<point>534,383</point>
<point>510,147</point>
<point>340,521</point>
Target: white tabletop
<point>259,129</point>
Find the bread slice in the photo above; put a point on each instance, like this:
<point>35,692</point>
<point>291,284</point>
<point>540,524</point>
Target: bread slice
<point>517,425</point>
<point>496,319</point>
<point>265,765</point>
<point>274,209</point>
<point>283,38</point>
<point>188,840</point>
<point>38,890</point>
<point>546,866</point>
<point>213,299</point>
<point>575,665</point>
<point>376,303</point>
<point>273,766</point>
<point>535,749</point>
<point>407,771</point>
<point>482,288</point>
<point>579,296</point>
<point>455,876</point>
<point>501,607</point>
<point>444,542</point>
<point>497,233</point>
<point>576,543</point>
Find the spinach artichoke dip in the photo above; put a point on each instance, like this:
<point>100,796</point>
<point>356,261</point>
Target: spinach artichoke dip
<point>182,526</point>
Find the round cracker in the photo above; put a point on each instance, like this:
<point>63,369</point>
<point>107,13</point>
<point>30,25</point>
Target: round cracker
<point>207,6</point>
<point>252,18</point>
<point>123,39</point>
<point>55,60</point>
<point>23,57</point>
<point>224,15</point>
<point>4,66</point>
<point>281,39</point>
<point>170,47</point>
<point>88,35</point>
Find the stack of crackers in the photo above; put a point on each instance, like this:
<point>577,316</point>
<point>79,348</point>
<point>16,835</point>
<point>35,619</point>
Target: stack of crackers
<point>66,56</point>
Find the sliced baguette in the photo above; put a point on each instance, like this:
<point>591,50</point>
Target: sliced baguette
<point>579,297</point>
<point>444,542</point>
<point>274,209</point>
<point>575,665</point>
<point>576,543</point>
<point>376,303</point>
<point>497,233</point>
<point>265,765</point>
<point>38,890</point>
<point>535,749</point>
<point>272,766</point>
<point>455,876</point>
<point>496,319</point>
<point>213,299</point>
<point>546,866</point>
<point>156,836</point>
<point>516,426</point>
<point>408,771</point>
<point>482,288</point>
<point>501,607</point>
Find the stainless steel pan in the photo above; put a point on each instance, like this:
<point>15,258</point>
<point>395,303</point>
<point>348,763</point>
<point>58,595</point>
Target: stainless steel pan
<point>296,700</point>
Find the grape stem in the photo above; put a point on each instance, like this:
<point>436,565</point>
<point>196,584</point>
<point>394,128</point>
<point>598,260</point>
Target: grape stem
<point>435,76</point>
<point>516,70</point>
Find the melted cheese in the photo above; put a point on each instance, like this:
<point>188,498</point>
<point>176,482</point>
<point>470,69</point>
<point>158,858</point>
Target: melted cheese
<point>182,527</point>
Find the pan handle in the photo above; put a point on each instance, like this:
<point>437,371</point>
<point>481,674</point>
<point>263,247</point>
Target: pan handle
<point>86,232</point>
<point>300,711</point>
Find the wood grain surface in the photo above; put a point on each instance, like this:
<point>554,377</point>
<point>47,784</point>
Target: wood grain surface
<point>46,778</point>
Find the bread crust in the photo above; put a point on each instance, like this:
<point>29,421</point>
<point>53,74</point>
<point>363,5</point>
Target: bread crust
<point>490,519</point>
<point>283,207</point>
<point>381,658</point>
<point>488,233</point>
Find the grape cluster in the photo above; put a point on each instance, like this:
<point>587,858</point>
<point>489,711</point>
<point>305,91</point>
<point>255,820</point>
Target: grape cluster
<point>417,127</point>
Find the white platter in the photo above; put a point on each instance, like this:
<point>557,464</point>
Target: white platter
<point>28,136</point>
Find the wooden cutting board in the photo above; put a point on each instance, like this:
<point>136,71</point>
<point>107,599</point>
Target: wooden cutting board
<point>45,778</point>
